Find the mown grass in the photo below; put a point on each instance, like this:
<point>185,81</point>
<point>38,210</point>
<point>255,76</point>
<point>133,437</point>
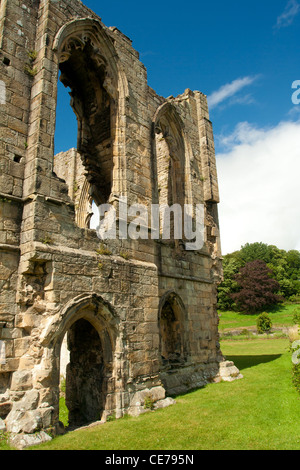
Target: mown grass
<point>281,316</point>
<point>258,412</point>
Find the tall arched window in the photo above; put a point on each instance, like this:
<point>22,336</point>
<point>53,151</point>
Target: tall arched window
<point>171,167</point>
<point>88,68</point>
<point>84,72</point>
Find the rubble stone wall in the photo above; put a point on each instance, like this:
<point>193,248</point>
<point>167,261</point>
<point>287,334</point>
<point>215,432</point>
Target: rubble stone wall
<point>54,271</point>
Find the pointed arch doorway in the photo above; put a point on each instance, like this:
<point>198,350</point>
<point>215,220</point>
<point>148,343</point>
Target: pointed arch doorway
<point>85,374</point>
<point>91,327</point>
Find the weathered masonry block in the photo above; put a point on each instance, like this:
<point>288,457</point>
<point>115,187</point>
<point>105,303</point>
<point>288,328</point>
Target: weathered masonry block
<point>139,314</point>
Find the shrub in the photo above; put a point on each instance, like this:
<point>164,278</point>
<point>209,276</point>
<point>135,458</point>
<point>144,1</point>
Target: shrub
<point>111,418</point>
<point>29,70</point>
<point>124,254</point>
<point>149,402</point>
<point>4,440</point>
<point>296,316</point>
<point>263,323</point>
<point>296,365</point>
<point>103,250</point>
<point>295,299</point>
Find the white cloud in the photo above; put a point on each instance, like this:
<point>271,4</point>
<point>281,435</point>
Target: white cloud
<point>229,90</point>
<point>259,187</point>
<point>287,17</point>
<point>244,133</point>
<point>244,99</point>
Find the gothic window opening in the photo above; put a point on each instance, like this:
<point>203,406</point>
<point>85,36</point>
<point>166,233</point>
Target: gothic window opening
<point>84,72</point>
<point>171,171</point>
<point>88,167</point>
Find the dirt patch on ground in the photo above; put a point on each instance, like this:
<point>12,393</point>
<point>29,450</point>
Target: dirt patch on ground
<point>247,330</point>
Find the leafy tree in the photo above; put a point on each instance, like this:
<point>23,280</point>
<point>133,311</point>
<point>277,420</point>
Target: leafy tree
<point>229,285</point>
<point>257,288</point>
<point>293,260</point>
<point>285,266</point>
<point>254,251</point>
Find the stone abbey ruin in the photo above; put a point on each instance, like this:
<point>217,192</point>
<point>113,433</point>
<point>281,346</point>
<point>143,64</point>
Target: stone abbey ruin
<point>139,315</point>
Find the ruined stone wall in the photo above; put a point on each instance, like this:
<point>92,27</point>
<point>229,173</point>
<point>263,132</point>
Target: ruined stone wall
<point>54,271</point>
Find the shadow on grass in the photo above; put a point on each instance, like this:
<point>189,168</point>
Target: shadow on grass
<point>275,308</point>
<point>245,362</point>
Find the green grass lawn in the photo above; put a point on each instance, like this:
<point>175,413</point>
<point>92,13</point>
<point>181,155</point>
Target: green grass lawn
<point>282,315</point>
<point>260,411</point>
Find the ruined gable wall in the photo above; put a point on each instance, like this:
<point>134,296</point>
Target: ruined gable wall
<point>59,261</point>
<point>61,274</point>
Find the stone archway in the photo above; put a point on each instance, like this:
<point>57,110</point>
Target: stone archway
<point>172,329</point>
<point>91,326</point>
<point>85,374</point>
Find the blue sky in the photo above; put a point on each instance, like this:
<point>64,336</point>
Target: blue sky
<point>245,57</point>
